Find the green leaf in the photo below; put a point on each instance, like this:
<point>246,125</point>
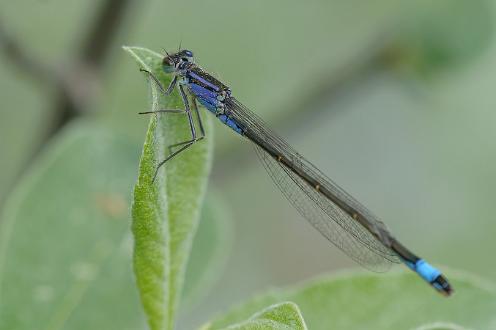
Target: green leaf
<point>65,244</point>
<point>211,248</point>
<point>166,211</point>
<point>283,316</point>
<point>397,300</point>
<point>441,326</point>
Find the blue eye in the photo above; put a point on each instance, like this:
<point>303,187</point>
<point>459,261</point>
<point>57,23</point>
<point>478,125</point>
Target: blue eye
<point>188,53</point>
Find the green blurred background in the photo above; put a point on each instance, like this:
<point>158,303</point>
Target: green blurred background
<point>394,100</point>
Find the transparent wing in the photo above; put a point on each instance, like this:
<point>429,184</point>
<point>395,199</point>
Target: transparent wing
<point>367,246</point>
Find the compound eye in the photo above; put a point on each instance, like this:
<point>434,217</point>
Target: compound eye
<point>188,53</point>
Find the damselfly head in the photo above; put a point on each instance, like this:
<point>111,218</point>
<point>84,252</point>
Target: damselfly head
<point>176,61</point>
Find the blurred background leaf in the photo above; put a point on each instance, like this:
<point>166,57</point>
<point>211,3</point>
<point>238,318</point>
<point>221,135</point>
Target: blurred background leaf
<point>285,316</point>
<point>65,237</point>
<point>65,259</point>
<point>393,301</point>
<point>442,35</point>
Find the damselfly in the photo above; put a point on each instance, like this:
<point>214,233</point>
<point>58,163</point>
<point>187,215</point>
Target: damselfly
<point>332,211</point>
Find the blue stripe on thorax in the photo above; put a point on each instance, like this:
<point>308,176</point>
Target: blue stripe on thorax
<point>203,80</point>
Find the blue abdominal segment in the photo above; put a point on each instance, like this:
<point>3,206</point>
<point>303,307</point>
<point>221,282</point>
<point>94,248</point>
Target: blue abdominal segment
<point>425,270</point>
<point>431,275</point>
<point>231,123</point>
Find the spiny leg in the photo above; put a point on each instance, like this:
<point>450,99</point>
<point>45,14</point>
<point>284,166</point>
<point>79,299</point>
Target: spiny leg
<point>200,124</point>
<point>163,91</point>
<point>185,144</point>
<point>198,117</point>
<point>169,89</point>
<point>170,157</point>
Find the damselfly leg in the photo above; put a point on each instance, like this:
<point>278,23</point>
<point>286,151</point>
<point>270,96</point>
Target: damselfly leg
<point>169,89</point>
<point>187,110</point>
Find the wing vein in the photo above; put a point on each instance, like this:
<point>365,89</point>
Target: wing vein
<point>367,246</point>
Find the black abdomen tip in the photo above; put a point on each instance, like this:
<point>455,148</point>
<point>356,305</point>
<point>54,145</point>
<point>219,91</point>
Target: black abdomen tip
<point>442,285</point>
